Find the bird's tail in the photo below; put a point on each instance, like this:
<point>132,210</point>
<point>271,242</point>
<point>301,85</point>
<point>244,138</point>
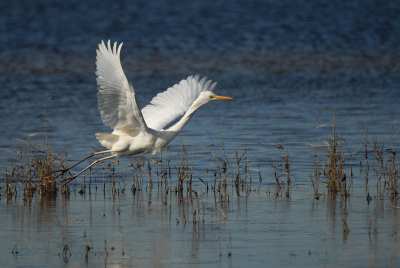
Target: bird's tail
<point>107,140</point>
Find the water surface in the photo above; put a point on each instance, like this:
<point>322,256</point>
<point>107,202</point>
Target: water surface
<point>289,66</point>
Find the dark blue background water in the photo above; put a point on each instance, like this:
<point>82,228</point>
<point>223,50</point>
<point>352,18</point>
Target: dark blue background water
<point>287,64</point>
<point>188,26</point>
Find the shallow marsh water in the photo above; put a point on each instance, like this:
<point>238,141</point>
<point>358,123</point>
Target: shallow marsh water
<point>258,230</point>
<point>287,65</point>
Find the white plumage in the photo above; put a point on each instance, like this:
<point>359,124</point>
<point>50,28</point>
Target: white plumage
<point>142,131</point>
<point>117,101</point>
<point>173,103</point>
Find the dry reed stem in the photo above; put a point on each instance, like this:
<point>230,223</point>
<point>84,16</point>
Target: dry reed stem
<point>335,168</point>
<point>15,248</point>
<point>387,170</point>
<point>35,168</point>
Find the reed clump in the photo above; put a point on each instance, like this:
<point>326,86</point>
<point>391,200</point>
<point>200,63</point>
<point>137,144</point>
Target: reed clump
<point>386,168</point>
<point>336,168</point>
<point>34,167</point>
<point>282,166</point>
<point>236,169</point>
<point>330,162</point>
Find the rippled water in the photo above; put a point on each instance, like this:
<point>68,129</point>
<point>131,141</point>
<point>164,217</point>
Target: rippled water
<point>287,65</point>
<point>258,231</point>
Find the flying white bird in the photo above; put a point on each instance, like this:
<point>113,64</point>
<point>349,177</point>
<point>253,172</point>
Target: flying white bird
<point>141,131</point>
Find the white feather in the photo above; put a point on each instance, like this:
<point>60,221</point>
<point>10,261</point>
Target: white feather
<point>116,97</point>
<point>136,133</point>
<point>169,106</point>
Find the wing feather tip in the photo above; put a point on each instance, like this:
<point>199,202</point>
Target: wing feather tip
<point>119,48</point>
<point>114,50</point>
<point>212,87</point>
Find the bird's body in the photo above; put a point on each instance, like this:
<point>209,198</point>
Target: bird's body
<point>148,130</point>
<point>151,129</point>
<point>149,141</point>
<point>126,144</point>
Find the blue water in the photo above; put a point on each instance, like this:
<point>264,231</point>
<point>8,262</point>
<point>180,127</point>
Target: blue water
<point>287,64</point>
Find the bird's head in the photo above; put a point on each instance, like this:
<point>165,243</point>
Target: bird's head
<point>208,96</point>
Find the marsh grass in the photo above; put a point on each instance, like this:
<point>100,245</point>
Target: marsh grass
<point>335,169</point>
<point>235,168</point>
<point>229,173</point>
<point>386,165</point>
<point>330,162</point>
<point>34,166</point>
<point>282,167</point>
<point>37,166</point>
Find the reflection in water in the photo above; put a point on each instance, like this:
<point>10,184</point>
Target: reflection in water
<point>156,228</point>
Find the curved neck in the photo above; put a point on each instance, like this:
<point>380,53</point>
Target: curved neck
<point>169,134</point>
<point>186,117</point>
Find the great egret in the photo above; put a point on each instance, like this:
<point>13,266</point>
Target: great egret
<point>153,128</point>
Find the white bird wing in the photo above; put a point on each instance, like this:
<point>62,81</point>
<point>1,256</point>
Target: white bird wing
<point>116,97</point>
<point>168,107</point>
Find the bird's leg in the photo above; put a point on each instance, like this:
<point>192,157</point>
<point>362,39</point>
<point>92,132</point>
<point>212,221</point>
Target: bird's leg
<point>92,164</point>
<point>89,156</point>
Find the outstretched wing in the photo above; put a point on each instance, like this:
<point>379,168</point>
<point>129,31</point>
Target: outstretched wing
<point>116,97</point>
<point>169,106</point>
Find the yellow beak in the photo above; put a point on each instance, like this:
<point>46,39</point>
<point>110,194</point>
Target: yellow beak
<point>222,98</point>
